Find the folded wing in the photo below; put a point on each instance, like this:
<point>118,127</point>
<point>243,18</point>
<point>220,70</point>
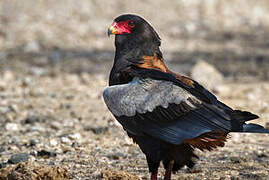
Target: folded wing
<point>165,111</point>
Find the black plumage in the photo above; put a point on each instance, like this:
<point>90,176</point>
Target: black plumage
<point>166,114</point>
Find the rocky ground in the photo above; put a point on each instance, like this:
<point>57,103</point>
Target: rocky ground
<point>54,64</point>
<point>59,120</point>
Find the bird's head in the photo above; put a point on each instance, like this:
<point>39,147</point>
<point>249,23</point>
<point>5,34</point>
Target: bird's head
<point>137,46</point>
<point>130,28</point>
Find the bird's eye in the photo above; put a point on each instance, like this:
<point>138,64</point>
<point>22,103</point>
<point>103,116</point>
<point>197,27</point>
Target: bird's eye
<point>131,24</point>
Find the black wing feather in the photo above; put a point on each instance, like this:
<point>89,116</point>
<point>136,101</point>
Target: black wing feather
<point>147,106</point>
<point>174,126</point>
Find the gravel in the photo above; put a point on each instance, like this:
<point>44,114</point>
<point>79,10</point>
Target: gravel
<point>92,145</point>
<point>54,65</point>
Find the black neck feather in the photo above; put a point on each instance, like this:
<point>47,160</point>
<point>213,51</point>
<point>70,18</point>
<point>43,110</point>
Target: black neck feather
<point>129,51</point>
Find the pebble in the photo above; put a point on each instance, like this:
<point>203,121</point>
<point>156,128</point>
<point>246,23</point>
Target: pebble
<point>37,128</point>
<point>207,75</point>
<point>8,76</point>
<point>66,140</point>
<point>33,153</point>
<point>223,89</point>
<point>55,56</point>
<point>13,108</point>
<point>66,149</point>
<point>115,156</point>
<point>234,173</point>
<point>12,127</point>
<point>4,110</point>
<point>3,86</point>
<point>56,125</point>
<point>33,142</point>
<point>53,142</point>
<point>128,141</point>
<point>3,165</point>
<point>96,130</point>
<point>31,120</point>
<point>16,158</point>
<point>32,47</point>
<point>235,160</point>
<point>116,123</point>
<point>261,154</point>
<point>103,160</point>
<point>37,71</point>
<point>45,153</point>
<point>26,82</point>
<point>75,144</point>
<point>2,149</point>
<point>75,136</point>
<point>251,96</point>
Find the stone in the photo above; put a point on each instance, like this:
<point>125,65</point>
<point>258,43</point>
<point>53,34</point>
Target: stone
<point>96,130</point>
<point>75,136</point>
<point>45,153</point>
<point>37,71</point>
<point>31,120</point>
<point>32,142</point>
<point>12,127</point>
<point>207,75</point>
<point>32,47</point>
<point>3,165</point>
<point>66,140</point>
<point>16,158</point>
<point>2,149</point>
<point>53,142</point>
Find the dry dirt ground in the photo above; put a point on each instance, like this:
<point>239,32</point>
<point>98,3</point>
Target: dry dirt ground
<point>54,64</point>
<point>63,115</point>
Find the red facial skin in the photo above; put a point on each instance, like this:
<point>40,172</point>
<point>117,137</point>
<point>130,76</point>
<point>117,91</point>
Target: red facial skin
<point>122,27</point>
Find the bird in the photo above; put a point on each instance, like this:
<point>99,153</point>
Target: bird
<point>167,114</point>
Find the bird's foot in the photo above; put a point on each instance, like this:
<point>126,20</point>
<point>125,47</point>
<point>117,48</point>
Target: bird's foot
<point>154,176</point>
<point>168,171</point>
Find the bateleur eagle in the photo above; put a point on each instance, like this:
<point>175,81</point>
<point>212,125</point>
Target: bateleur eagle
<point>168,115</point>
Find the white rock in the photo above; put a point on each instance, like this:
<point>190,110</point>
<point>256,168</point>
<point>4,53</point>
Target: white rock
<point>8,76</point>
<point>32,47</point>
<point>12,127</point>
<point>37,71</point>
<point>103,160</point>
<point>66,140</point>
<point>75,136</point>
<point>14,108</point>
<point>3,85</point>
<point>116,123</point>
<point>223,89</point>
<point>37,128</point>
<point>251,96</point>
<point>56,125</point>
<point>128,140</point>
<point>4,110</point>
<point>53,142</point>
<point>207,75</point>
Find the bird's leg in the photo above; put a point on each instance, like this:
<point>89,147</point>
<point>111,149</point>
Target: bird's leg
<point>168,171</point>
<point>154,176</point>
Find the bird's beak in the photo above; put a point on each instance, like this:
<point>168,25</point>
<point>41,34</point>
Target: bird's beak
<point>112,29</point>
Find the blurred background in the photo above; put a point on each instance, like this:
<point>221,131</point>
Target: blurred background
<point>233,35</point>
<point>55,58</point>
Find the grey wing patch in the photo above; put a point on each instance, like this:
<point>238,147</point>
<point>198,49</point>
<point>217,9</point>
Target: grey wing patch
<point>144,95</point>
